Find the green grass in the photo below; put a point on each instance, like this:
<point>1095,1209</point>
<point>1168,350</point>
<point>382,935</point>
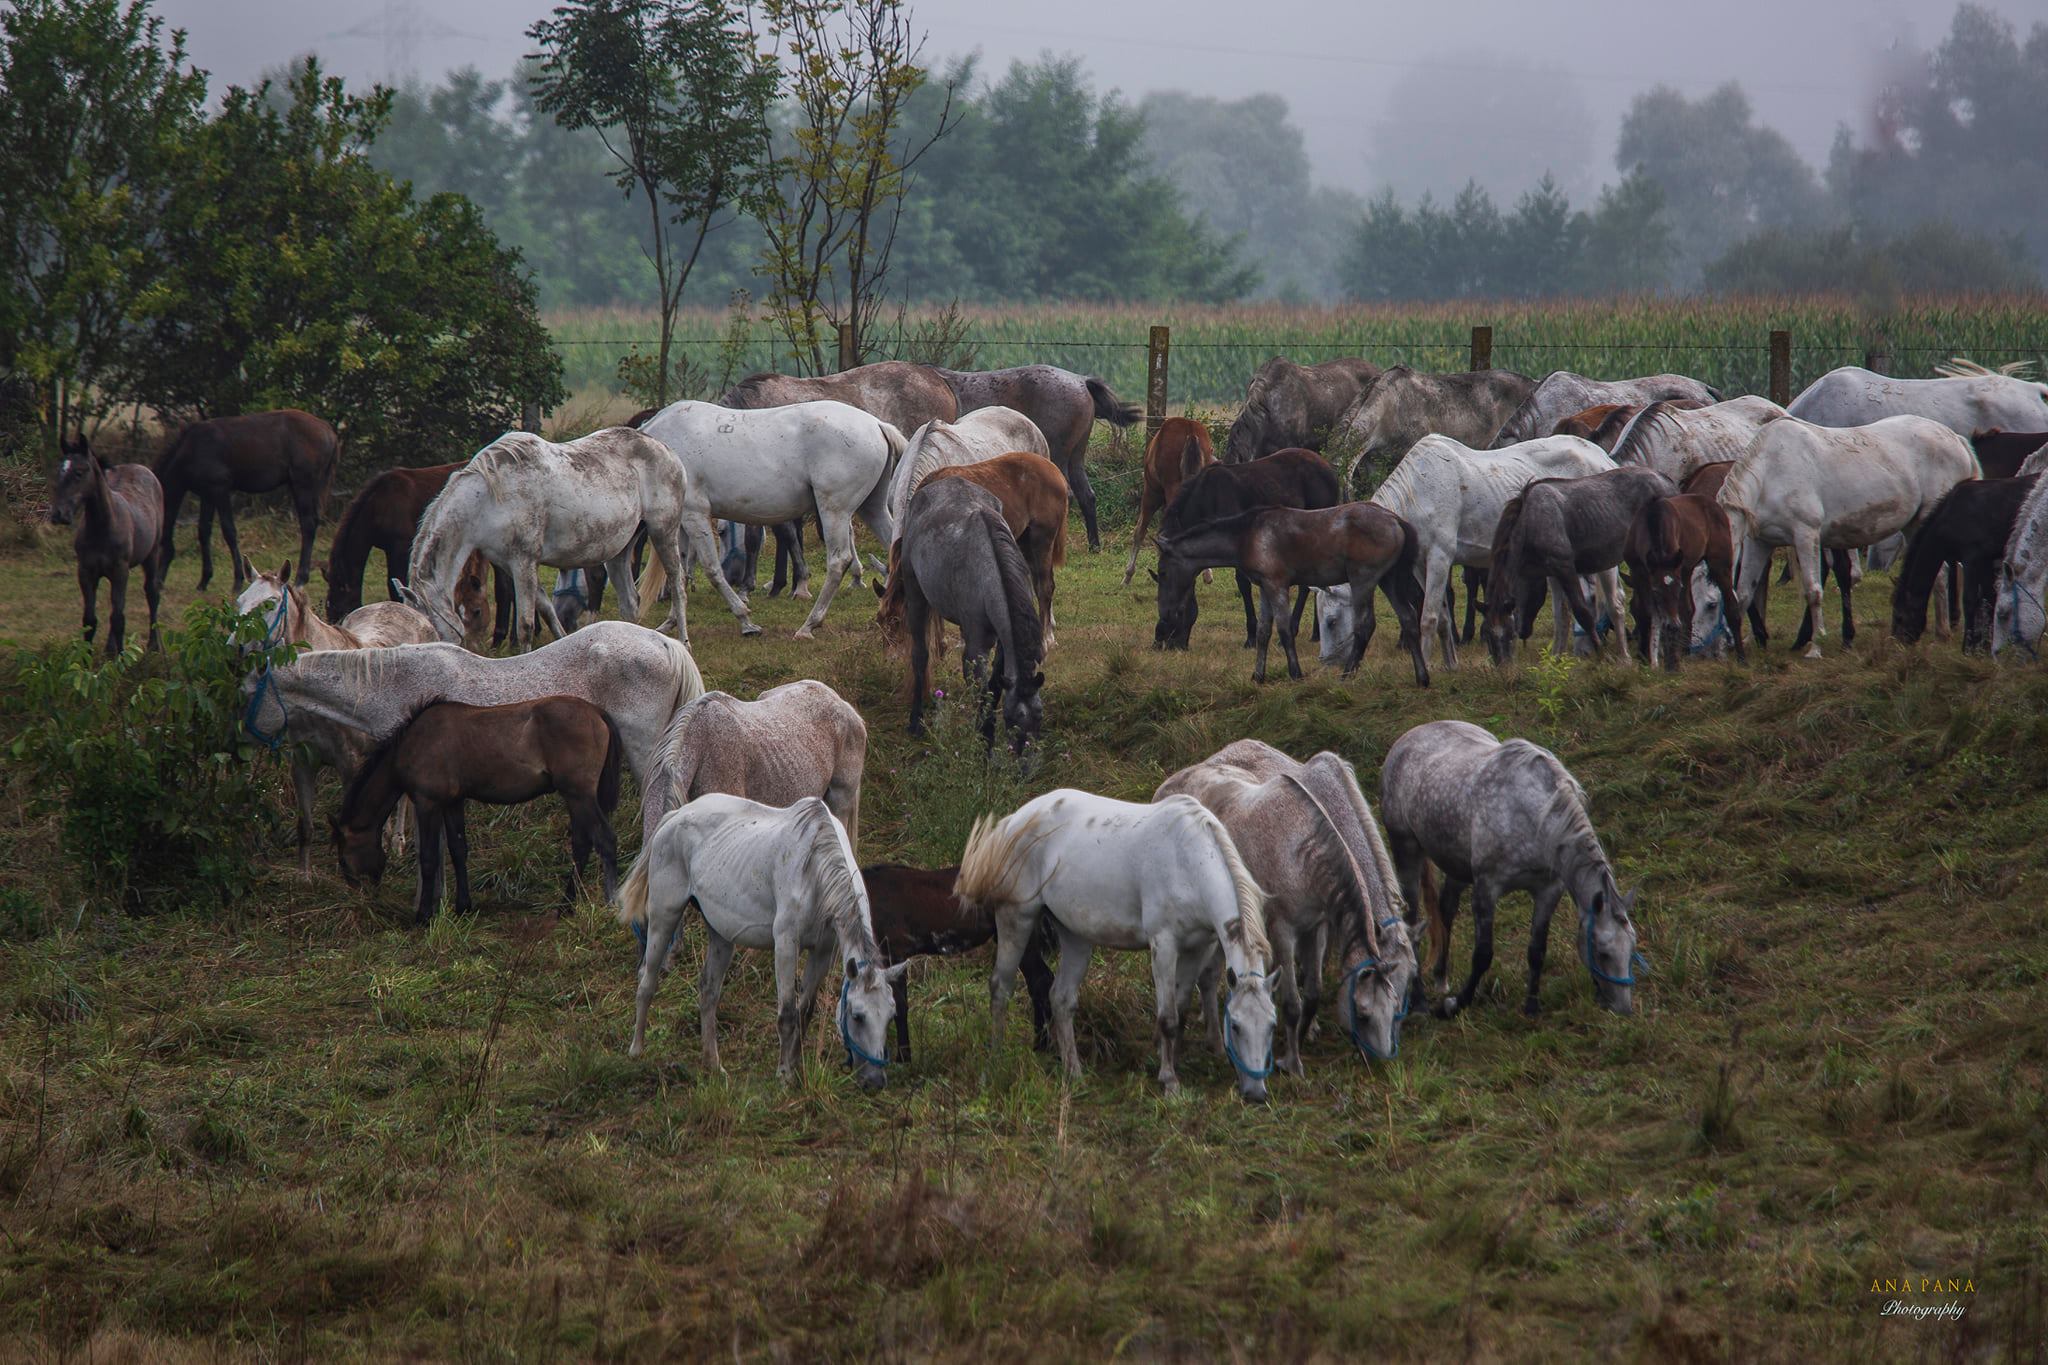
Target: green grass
<point>300,1126</point>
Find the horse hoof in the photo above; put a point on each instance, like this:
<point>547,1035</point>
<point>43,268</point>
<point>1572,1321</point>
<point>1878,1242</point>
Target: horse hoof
<point>1447,1007</point>
<point>799,594</point>
<point>804,633</point>
<point>1532,1007</point>
<point>748,628</point>
<point>1813,651</point>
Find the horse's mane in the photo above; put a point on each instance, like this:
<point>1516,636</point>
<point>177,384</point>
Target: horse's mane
<point>928,460</point>
<point>353,793</point>
<point>2029,528</point>
<point>1521,422</point>
<point>1018,597</point>
<point>1251,901</point>
<point>1564,812</point>
<point>827,863</point>
<point>1336,871</point>
<point>1500,576</point>
<point>1628,450</point>
<point>484,468</point>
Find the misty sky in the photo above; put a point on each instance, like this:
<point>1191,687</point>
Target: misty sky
<point>1808,65</point>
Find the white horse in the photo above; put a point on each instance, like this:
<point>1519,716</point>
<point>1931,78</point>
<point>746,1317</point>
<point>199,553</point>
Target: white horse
<point>2017,613</point>
<point>1818,488</point>
<point>1453,496</point>
<point>1308,838</point>
<point>979,435</point>
<point>776,877</point>
<point>524,502</point>
<point>1115,874</point>
<point>1971,399</point>
<point>800,739</point>
<point>1562,393</point>
<point>636,676</point>
<point>765,466</point>
<point>1677,441</point>
<point>290,619</point>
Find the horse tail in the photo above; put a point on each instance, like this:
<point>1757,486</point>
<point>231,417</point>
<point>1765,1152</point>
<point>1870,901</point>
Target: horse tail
<point>1058,551</point>
<point>897,443</point>
<point>1025,641</point>
<point>1439,927</point>
<point>632,901</point>
<point>1109,407</point>
<point>608,776</point>
<point>653,579</point>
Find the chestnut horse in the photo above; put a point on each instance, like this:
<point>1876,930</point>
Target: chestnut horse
<point>118,511</point>
<point>915,914</point>
<point>450,752</point>
<point>1033,495</point>
<point>1603,423</point>
<point>254,453</point>
<point>1669,538</point>
<point>1175,453</point>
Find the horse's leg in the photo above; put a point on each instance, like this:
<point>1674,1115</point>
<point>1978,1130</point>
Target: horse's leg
<point>583,818</point>
<point>900,989</point>
<point>231,540</point>
<point>1170,991</point>
<point>1483,897</point>
<point>1539,944</point>
<point>1806,553</point>
<point>1264,635</point>
<point>117,604</point>
<point>1146,500</point>
<point>303,788</point>
<point>458,854</point>
<point>710,985</point>
<point>89,589</point>
<point>153,591</point>
<point>790,541</point>
<point>1436,619</point>
<point>1846,581</point>
<point>1014,932</point>
<point>697,527</point>
<point>505,596</point>
<point>429,898</point>
<point>662,923</point>
<point>1084,493</point>
<point>619,569</point>
<point>1447,899</point>
<point>1289,625</point>
<point>1038,981</point>
<point>1310,974</point>
<point>1607,584</point>
<point>543,605</point>
<point>1285,963</point>
<point>1251,617</point>
<point>839,557</point>
<point>794,1005</point>
<point>1471,606</point>
<point>916,619</point>
<point>204,535</point>
<point>308,508</point>
<point>607,843</point>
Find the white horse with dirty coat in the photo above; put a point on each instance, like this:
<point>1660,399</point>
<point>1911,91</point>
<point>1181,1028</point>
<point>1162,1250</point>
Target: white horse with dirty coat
<point>2017,613</point>
<point>776,878</point>
<point>1818,488</point>
<point>1971,400</point>
<point>979,435</point>
<point>1677,442</point>
<point>766,466</point>
<point>1164,877</point>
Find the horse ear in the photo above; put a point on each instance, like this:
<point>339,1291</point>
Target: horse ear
<point>880,591</point>
<point>1628,904</point>
<point>1038,680</point>
<point>895,973</point>
<point>285,574</point>
<point>1154,573</point>
<point>324,577</point>
<point>1190,460</point>
<point>852,969</point>
<point>1230,977</point>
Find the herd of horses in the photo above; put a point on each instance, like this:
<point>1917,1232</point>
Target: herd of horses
<point>1246,871</point>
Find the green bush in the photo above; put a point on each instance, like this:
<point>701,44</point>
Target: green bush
<point>160,798</point>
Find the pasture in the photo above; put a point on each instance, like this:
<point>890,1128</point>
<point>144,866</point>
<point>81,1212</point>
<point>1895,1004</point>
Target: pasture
<point>299,1125</point>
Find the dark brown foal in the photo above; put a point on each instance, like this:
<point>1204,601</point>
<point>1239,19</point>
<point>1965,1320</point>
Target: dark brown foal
<point>118,512</point>
<point>915,914</point>
<point>450,753</point>
<point>1669,538</point>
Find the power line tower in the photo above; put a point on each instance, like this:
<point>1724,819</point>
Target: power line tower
<point>404,28</point>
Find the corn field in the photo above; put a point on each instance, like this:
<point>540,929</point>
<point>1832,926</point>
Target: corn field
<point>1214,350</point>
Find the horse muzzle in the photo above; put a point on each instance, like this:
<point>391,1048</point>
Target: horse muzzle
<point>1251,1091</point>
<point>873,1078</point>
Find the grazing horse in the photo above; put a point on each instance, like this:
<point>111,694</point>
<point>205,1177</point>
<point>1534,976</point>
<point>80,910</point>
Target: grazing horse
<point>292,620</point>
<point>774,465</point>
<point>1602,424</point>
<point>452,753</point>
<point>254,453</point>
<point>1557,530</point>
<point>1062,404</point>
<point>981,435</point>
<point>1164,877</point>
<point>961,564</point>
<point>916,915</point>
<point>2018,616</point>
<point>1561,393</point>
<point>1356,544</point>
<point>1309,840</point>
<point>904,395</point>
<point>1402,406</point>
<point>1679,439</point>
<point>775,877</point>
<point>800,739</point>
<point>385,515</point>
<point>2000,454</point>
<point>523,502</point>
<point>636,676</point>
<point>1034,503</point>
<point>1502,817</point>
<point>1971,399</point>
<point>1453,496</point>
<point>1970,526</point>
<point>1179,450</point>
<point>117,511</point>
<point>1286,478</point>
<point>1816,488</point>
<point>1295,407</point>
<point>1670,539</point>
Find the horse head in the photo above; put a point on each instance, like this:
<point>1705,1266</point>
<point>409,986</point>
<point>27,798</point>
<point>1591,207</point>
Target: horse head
<point>1607,943</point>
<point>1177,606</point>
<point>1024,710</point>
<point>359,851</point>
<point>1378,988</point>
<point>448,620</point>
<point>1335,621</point>
<point>1250,1022</point>
<point>78,475</point>
<point>867,1006</point>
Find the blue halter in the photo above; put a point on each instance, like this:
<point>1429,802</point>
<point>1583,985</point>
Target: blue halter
<point>265,684</point>
<point>1364,965</point>
<point>1719,632</point>
<point>570,581</point>
<point>1635,959</point>
<point>1230,1044</point>
<point>853,1049</point>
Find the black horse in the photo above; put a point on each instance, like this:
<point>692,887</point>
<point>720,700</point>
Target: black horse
<point>1969,526</point>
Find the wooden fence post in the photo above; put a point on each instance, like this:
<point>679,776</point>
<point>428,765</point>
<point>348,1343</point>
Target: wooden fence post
<point>1878,358</point>
<point>849,356</point>
<point>1482,348</point>
<point>529,417</point>
<point>1781,368</point>
<point>1155,381</point>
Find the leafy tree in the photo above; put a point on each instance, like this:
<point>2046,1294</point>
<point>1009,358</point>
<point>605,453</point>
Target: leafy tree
<point>96,105</point>
<point>1722,175</point>
<point>1542,243</point>
<point>849,153</point>
<point>1933,258</point>
<point>680,97</point>
<point>1630,244</point>
<point>300,274</point>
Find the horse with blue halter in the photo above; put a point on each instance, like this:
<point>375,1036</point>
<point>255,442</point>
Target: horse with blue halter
<point>1502,817</point>
<point>780,878</point>
<point>1308,837</point>
<point>1164,878</point>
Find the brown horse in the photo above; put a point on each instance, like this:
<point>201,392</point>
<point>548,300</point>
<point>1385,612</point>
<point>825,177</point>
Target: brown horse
<point>1176,451</point>
<point>1062,404</point>
<point>1360,544</point>
<point>450,752</point>
<point>2000,453</point>
<point>1034,503</point>
<point>1669,538</point>
<point>255,453</point>
<point>384,516</point>
<point>915,914</point>
<point>117,511</point>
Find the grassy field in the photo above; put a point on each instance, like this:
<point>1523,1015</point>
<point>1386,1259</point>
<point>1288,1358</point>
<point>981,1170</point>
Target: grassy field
<point>299,1126</point>
<point>1724,342</point>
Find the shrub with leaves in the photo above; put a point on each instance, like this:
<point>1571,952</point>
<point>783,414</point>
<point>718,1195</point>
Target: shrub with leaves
<point>160,799</point>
